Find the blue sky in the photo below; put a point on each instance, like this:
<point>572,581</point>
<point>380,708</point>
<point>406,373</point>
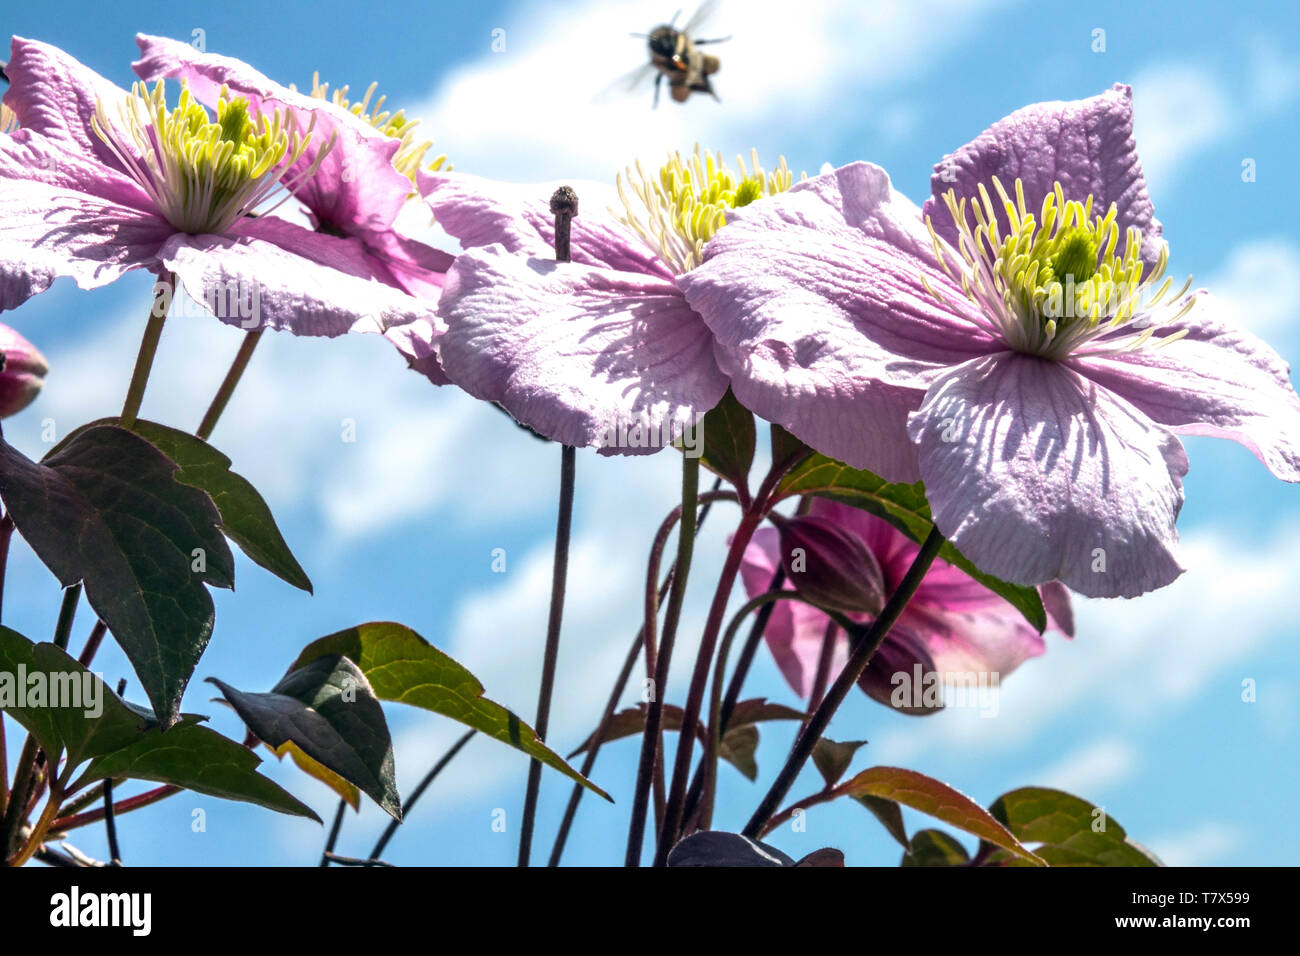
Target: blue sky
<point>1141,713</point>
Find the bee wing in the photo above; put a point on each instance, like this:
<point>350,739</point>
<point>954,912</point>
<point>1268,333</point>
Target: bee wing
<point>627,83</point>
<point>701,16</point>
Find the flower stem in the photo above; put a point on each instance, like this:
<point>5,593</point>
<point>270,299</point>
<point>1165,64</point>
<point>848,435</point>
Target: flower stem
<point>121,806</point>
<point>654,714</point>
<point>865,643</point>
<point>620,682</point>
<point>673,816</point>
<point>67,611</point>
<point>559,572</point>
<point>418,792</point>
<point>333,837</point>
<point>233,375</point>
<point>148,349</point>
<point>6,535</point>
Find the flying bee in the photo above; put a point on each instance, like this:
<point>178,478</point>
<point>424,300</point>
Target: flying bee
<point>674,54</point>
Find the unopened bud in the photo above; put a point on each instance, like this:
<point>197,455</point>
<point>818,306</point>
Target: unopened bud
<point>22,373</point>
<point>830,567</point>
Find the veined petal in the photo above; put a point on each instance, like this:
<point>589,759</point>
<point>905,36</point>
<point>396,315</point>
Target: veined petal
<point>356,187</point>
<point>482,212</point>
<point>1217,380</point>
<point>289,278</point>
<point>823,323</point>
<point>54,95</point>
<point>66,215</point>
<point>1037,473</point>
<point>1086,145</point>
<point>576,351</point>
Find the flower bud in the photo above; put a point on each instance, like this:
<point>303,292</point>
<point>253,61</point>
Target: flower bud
<point>830,567</point>
<point>23,373</point>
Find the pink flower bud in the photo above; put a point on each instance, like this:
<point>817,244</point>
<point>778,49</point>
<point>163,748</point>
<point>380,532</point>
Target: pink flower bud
<point>23,373</point>
<point>829,567</point>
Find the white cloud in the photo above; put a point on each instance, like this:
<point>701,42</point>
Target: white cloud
<point>1204,844</point>
<point>1090,769</point>
<point>528,114</point>
<point>1260,283</point>
<point>1180,109</point>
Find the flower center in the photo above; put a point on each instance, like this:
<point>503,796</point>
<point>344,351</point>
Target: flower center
<point>1057,284</point>
<point>204,175</point>
<point>409,158</point>
<point>678,211</point>
<point>8,121</point>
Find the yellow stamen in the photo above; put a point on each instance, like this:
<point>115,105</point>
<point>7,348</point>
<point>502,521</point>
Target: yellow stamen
<point>409,158</point>
<point>204,175</point>
<point>687,203</point>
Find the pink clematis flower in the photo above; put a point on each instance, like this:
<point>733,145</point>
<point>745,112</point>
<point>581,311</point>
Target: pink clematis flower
<point>1022,355</point>
<point>952,627</point>
<point>602,351</point>
<point>95,182</point>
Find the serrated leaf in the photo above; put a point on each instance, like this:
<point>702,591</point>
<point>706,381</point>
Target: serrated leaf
<point>916,790</point>
<point>328,710</point>
<point>1064,823</point>
<point>934,848</point>
<point>198,759</point>
<point>104,508</point>
<point>906,508</point>
<point>832,758</point>
<point>245,516</point>
<point>403,667</point>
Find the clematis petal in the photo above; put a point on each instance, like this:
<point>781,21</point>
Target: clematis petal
<point>795,631</point>
<point>576,351</point>
<point>417,341</point>
<point>1087,145</point>
<point>483,212</point>
<point>305,282</point>
<point>66,215</point>
<point>415,266</point>
<point>816,299</point>
<point>1037,473</point>
<point>356,187</point>
<point>54,95</point>
<point>1218,380</point>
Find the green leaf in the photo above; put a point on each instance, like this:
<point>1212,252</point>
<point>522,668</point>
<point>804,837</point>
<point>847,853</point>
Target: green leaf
<point>890,816</point>
<point>832,758</point>
<point>1064,824</point>
<point>75,712</point>
<point>245,517</point>
<point>905,507</point>
<point>787,451</point>
<point>104,508</point>
<point>403,667</point>
<point>738,746</point>
<point>939,800</point>
<point>934,848</point>
<point>348,793</point>
<point>198,759</point>
<point>729,438</point>
<point>328,710</point>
